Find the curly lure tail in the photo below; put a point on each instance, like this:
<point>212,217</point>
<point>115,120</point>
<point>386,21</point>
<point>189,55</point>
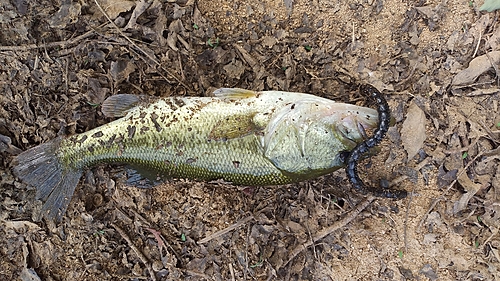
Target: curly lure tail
<point>362,148</point>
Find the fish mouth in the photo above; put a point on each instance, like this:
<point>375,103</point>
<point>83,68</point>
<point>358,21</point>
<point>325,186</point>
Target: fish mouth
<point>355,130</point>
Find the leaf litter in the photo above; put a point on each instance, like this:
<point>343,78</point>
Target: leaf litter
<point>438,67</point>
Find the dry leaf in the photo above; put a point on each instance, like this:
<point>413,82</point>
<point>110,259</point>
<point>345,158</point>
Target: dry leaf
<point>121,69</point>
<point>67,14</point>
<point>476,67</point>
<point>234,69</point>
<point>140,8</point>
<point>471,188</point>
<point>413,132</point>
<point>114,7</point>
<point>490,5</point>
<point>494,40</point>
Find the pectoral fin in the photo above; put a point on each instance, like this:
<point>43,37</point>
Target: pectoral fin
<point>234,126</point>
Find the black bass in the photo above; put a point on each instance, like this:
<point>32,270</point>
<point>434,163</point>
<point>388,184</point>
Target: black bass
<point>240,136</point>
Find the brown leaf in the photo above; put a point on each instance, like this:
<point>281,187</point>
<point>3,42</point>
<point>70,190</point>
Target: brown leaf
<point>114,7</point>
<point>413,131</point>
<point>68,13</point>
<point>234,69</point>
<point>494,40</point>
<point>471,188</point>
<point>476,67</point>
<point>140,8</point>
<point>121,69</point>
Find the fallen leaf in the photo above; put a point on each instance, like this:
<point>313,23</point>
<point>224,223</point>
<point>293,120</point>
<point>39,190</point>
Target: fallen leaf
<point>413,131</point>
<point>494,40</point>
<point>6,145</point>
<point>427,11</point>
<point>114,7</point>
<point>476,67</point>
<point>471,188</point>
<point>234,69</point>
<point>140,8</point>
<point>490,5</point>
<point>121,69</point>
<point>67,14</point>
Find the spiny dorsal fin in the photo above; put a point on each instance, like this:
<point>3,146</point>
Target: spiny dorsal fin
<point>234,93</point>
<point>119,105</point>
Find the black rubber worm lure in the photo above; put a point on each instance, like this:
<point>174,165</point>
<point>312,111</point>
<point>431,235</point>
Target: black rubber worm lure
<point>384,117</point>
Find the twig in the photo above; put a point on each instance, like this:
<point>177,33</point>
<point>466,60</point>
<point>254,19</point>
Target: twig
<point>231,270</point>
<point>61,44</point>
<point>139,254</point>
<point>334,227</point>
<point>353,34</point>
<point>405,224</point>
<point>245,269</point>
<point>162,234</point>
<point>225,230</point>
<point>477,46</point>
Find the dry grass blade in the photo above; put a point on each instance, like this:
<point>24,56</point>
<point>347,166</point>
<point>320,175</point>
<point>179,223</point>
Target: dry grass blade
<point>61,44</point>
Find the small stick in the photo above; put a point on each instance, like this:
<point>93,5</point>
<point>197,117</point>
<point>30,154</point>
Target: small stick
<point>62,44</point>
<point>225,230</point>
<point>334,227</point>
<point>139,254</point>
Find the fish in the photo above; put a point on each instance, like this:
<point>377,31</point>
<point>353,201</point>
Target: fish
<point>239,136</point>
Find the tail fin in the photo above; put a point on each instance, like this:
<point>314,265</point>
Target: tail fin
<point>55,183</point>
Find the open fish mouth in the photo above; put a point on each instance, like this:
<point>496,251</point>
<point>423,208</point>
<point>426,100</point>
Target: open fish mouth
<point>353,128</point>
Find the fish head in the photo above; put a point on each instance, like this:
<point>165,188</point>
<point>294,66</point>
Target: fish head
<point>309,138</point>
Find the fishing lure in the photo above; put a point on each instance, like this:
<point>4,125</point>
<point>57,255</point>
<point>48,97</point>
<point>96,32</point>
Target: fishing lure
<point>384,117</point>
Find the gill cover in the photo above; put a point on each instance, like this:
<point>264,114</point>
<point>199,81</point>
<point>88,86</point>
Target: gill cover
<point>309,135</point>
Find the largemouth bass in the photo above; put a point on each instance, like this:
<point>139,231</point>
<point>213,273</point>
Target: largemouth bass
<point>240,136</point>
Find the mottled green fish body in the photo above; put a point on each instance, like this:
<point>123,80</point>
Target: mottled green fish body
<point>239,136</point>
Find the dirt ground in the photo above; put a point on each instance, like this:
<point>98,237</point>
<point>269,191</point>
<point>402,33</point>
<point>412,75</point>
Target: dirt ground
<point>437,62</point>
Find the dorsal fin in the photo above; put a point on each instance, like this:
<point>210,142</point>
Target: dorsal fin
<point>119,105</point>
<point>234,93</point>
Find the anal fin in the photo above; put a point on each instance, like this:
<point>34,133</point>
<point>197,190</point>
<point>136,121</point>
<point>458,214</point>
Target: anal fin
<point>141,177</point>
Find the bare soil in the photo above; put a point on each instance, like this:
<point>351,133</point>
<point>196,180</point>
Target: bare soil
<point>436,61</point>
